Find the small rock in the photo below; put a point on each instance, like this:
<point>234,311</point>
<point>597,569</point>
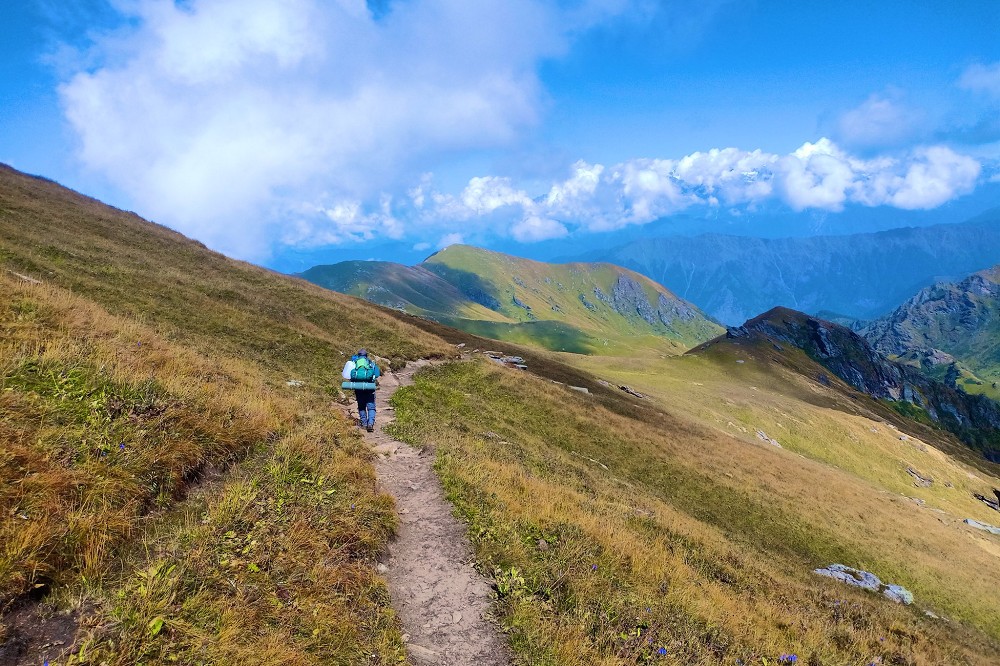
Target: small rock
<point>761,435</point>
<point>631,391</point>
<point>422,655</point>
<point>581,389</point>
<point>986,527</point>
<point>456,617</point>
<point>919,479</point>
<point>739,360</point>
<point>295,383</point>
<point>898,593</point>
<point>381,568</point>
<point>460,345</point>
<point>543,545</point>
<point>866,581</point>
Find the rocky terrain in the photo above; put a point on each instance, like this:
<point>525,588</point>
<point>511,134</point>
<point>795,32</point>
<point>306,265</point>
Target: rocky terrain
<point>945,323</point>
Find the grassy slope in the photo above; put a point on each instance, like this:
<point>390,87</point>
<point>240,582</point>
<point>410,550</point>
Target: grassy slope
<point>414,289</point>
<point>517,300</point>
<point>143,363</point>
<point>553,291</point>
<point>616,530</point>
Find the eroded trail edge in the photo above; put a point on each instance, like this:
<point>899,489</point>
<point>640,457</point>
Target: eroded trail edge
<point>442,601</point>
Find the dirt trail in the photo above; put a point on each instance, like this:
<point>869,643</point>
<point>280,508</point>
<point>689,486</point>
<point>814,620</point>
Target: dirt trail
<point>443,603</point>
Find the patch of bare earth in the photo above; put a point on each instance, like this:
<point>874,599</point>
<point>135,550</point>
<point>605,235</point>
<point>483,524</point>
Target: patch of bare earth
<point>442,601</point>
<point>33,633</point>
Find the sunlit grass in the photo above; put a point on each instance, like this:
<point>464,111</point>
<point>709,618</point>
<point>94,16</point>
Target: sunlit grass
<point>158,470</point>
<point>667,532</point>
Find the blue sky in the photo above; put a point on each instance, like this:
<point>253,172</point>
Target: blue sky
<point>274,128</point>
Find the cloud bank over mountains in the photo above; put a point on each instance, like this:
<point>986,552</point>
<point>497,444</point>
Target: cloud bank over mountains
<point>600,198</point>
<point>254,123</point>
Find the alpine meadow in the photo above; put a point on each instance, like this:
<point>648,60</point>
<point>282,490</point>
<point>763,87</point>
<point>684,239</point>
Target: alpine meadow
<point>182,486</point>
<point>499,333</point>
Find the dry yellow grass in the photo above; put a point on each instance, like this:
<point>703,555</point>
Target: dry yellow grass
<point>133,363</point>
<point>104,425</point>
<point>658,526</point>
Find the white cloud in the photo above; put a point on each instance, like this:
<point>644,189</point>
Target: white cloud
<point>982,78</point>
<point>450,239</point>
<point>217,116</point>
<point>936,176</point>
<point>880,121</point>
<point>819,176</point>
<point>532,228</point>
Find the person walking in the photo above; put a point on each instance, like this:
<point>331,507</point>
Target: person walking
<point>362,369</point>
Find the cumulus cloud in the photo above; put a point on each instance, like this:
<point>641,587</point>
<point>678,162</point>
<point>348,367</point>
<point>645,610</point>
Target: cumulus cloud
<point>217,116</point>
<point>818,176</point>
<point>880,121</point>
<point>982,78</point>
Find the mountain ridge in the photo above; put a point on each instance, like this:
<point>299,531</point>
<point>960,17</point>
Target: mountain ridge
<point>568,307</point>
<point>732,278</point>
<point>945,323</point>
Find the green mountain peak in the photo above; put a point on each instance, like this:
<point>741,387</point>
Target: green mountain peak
<point>578,307</point>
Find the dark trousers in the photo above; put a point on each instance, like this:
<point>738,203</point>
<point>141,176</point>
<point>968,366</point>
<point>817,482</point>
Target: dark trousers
<point>366,406</point>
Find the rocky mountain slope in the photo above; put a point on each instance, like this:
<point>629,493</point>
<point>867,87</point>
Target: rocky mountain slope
<point>974,419</point>
<point>945,323</point>
<point>566,307</point>
<point>861,276</point>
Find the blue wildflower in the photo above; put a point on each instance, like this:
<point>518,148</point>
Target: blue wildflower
<point>662,651</point>
<point>121,447</point>
<point>593,567</point>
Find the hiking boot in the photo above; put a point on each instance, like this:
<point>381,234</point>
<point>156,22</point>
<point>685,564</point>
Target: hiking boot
<point>371,427</point>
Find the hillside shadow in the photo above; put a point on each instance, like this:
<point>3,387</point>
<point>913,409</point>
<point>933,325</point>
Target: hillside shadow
<point>472,286</point>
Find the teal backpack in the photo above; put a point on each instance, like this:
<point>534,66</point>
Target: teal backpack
<point>364,370</point>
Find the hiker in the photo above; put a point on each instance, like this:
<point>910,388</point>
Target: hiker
<point>362,369</point>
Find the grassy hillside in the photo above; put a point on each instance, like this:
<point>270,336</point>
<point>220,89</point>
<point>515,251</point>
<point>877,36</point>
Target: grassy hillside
<point>961,319</point>
<point>581,308</point>
<point>664,530</point>
<point>162,481</point>
<point>170,495</point>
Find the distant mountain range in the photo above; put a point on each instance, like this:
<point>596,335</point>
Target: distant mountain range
<point>860,276</point>
<point>945,323</point>
<point>579,307</point>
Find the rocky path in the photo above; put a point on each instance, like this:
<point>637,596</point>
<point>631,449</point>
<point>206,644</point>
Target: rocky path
<point>443,603</point>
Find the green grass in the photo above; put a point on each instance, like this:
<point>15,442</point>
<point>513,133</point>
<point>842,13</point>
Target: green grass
<point>560,307</point>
